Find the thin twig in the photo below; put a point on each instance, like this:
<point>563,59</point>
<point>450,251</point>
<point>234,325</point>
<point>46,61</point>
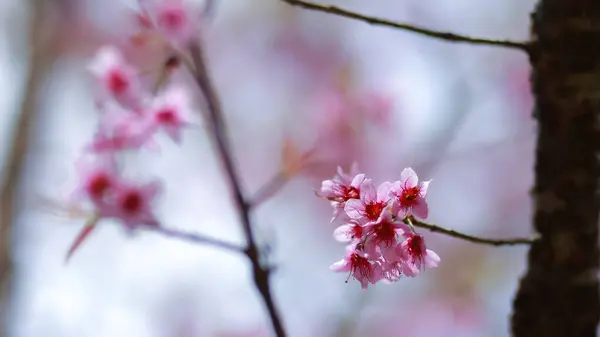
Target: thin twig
<point>274,185</point>
<point>450,37</point>
<point>219,135</point>
<point>199,239</point>
<point>269,188</point>
<point>467,237</point>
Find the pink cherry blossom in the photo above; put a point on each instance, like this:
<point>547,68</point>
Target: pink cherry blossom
<point>171,112</point>
<point>348,232</point>
<point>119,131</point>
<point>97,178</point>
<point>356,262</point>
<point>409,195</point>
<point>177,20</point>
<point>118,80</point>
<point>415,254</point>
<point>372,203</point>
<point>386,231</point>
<point>132,204</point>
<point>382,246</point>
<point>340,189</point>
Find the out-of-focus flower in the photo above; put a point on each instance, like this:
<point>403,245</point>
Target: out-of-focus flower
<point>119,130</point>
<point>170,111</point>
<point>132,204</point>
<point>177,20</point>
<point>117,79</point>
<point>97,178</point>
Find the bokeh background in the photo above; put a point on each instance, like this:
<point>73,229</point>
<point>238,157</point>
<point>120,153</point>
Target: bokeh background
<point>458,114</point>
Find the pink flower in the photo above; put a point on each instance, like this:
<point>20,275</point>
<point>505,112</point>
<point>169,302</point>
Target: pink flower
<point>119,131</point>
<point>170,111</point>
<point>415,254</point>
<point>409,195</point>
<point>348,232</point>
<point>340,189</point>
<point>372,203</point>
<point>377,107</point>
<point>132,204</point>
<point>118,80</point>
<point>97,178</point>
<point>385,232</point>
<point>177,21</point>
<point>356,262</point>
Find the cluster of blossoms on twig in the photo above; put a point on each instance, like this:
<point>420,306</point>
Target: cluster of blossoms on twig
<point>382,242</point>
<point>131,116</point>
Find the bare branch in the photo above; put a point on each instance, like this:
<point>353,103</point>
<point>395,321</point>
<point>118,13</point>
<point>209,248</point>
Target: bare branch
<point>219,136</point>
<point>199,239</point>
<point>450,37</point>
<point>467,237</point>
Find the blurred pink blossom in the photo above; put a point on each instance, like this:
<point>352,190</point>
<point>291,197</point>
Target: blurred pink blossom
<point>171,111</point>
<point>117,79</point>
<point>132,204</point>
<point>177,20</point>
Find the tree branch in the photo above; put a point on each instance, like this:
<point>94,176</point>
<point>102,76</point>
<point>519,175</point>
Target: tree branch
<point>558,295</point>
<point>199,239</point>
<point>449,37</point>
<point>219,136</point>
<point>467,237</point>
<point>39,60</point>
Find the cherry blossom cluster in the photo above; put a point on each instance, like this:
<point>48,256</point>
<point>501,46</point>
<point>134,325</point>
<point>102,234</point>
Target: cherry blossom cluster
<point>378,226</point>
<point>131,115</point>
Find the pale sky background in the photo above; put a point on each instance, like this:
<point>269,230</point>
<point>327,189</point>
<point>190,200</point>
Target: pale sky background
<point>461,116</point>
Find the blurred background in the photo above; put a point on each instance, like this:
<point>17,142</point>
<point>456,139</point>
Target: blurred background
<point>458,114</point>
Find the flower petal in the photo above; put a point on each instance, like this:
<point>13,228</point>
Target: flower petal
<point>340,266</point>
<point>409,178</point>
<point>420,209</point>
<point>354,208</point>
<point>431,259</point>
<point>343,233</point>
<point>423,188</point>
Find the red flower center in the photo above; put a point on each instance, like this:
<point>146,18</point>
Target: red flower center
<point>117,82</point>
<point>416,247</point>
<point>409,196</point>
<point>132,202</point>
<point>172,18</point>
<point>385,233</point>
<point>361,265</point>
<point>353,193</point>
<point>355,232</point>
<point>98,185</point>
<point>373,210</point>
<point>166,116</point>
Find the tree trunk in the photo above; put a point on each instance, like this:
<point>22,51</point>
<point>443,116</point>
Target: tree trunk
<point>558,295</point>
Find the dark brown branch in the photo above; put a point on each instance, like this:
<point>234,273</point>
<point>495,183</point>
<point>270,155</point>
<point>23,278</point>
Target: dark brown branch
<point>199,239</point>
<point>450,37</point>
<point>470,238</point>
<point>219,135</point>
<point>558,294</point>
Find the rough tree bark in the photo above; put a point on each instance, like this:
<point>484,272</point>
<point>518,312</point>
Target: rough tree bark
<point>558,295</point>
